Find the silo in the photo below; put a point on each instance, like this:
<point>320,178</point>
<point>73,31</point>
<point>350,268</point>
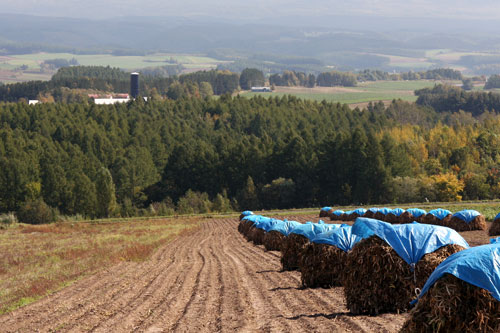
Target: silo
<point>134,85</point>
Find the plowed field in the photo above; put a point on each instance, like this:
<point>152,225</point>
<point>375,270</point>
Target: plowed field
<point>208,281</point>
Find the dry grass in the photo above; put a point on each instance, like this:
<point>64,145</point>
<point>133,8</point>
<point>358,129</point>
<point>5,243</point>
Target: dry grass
<point>37,260</point>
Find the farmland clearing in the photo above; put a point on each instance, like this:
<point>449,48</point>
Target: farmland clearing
<point>355,96</point>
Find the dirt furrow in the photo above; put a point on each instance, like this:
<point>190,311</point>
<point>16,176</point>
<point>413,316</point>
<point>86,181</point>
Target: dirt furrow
<point>210,280</point>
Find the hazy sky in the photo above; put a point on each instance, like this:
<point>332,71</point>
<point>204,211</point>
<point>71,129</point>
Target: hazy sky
<point>255,9</point>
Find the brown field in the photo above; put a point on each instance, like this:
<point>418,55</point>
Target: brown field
<point>207,280</point>
<point>37,260</point>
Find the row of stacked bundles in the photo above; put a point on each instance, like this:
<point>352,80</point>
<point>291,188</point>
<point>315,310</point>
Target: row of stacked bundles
<point>383,266</point>
<point>465,220</point>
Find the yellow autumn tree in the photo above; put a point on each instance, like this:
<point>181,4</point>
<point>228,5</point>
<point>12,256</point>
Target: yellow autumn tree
<point>447,187</point>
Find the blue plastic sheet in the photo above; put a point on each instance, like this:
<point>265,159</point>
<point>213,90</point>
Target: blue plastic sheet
<point>247,212</point>
<point>385,210</point>
<point>498,216</point>
<point>440,213</point>
<point>338,212</point>
<point>264,223</point>
<point>349,212</point>
<point>467,215</point>
<point>479,266</point>
<point>341,237</point>
<point>373,209</point>
<point>326,209</point>
<point>360,211</point>
<point>410,241</point>
<point>495,240</point>
<point>416,212</point>
<point>268,225</point>
<point>310,230</point>
<point>285,227</point>
<point>397,211</point>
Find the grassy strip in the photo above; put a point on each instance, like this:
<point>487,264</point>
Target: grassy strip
<point>38,260</point>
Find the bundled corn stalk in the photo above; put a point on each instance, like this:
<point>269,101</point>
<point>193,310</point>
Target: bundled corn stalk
<point>406,217</point>
<point>246,227</point>
<point>412,214</point>
<point>273,240</point>
<point>336,215</point>
<point>438,217</point>
<point>478,223</point>
<point>370,213</point>
<point>495,227</point>
<point>393,215</point>
<point>378,280</point>
<point>321,265</point>
<point>325,212</point>
<point>381,214</point>
<point>291,248</point>
<point>356,213</point>
<point>256,235</point>
<point>452,305</point>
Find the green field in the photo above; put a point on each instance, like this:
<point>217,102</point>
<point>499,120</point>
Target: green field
<point>364,92</point>
<point>10,72</point>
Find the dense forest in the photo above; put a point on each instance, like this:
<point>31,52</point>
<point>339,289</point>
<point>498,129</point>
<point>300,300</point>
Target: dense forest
<point>203,154</point>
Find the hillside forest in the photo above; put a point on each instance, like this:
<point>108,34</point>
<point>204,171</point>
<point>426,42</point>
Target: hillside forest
<point>202,154</point>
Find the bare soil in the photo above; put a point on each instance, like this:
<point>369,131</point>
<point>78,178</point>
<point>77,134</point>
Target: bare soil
<point>209,281</point>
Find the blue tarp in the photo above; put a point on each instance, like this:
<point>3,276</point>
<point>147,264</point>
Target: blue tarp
<point>373,209</point>
<point>247,212</point>
<point>498,216</point>
<point>440,213</point>
<point>251,218</point>
<point>285,227</point>
<point>264,223</point>
<point>479,266</point>
<point>360,211</point>
<point>310,229</point>
<point>349,212</point>
<point>338,212</point>
<point>416,212</point>
<point>495,240</point>
<point>266,226</point>
<point>341,237</point>
<point>467,215</point>
<point>326,209</point>
<point>385,210</point>
<point>410,241</point>
<point>397,211</point>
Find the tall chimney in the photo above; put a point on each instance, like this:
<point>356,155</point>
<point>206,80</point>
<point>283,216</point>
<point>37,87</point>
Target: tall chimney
<point>134,85</point>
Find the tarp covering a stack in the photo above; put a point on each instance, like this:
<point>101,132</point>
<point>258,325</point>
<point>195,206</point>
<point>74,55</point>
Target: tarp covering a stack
<point>259,229</point>
<point>336,215</point>
<point>356,213</point>
<point>324,211</point>
<point>322,261</point>
<point>467,220</point>
<point>341,237</point>
<point>382,213</point>
<point>495,240</point>
<point>495,226</point>
<point>275,235</point>
<point>462,294</point>
<point>393,215</point>
<point>410,241</point>
<point>437,216</point>
<point>412,214</point>
<point>370,213</point>
<point>298,237</point>
<point>384,269</point>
